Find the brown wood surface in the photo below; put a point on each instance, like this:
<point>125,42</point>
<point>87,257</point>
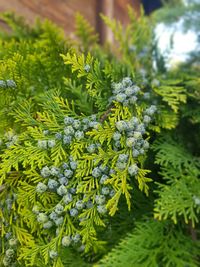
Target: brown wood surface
<point>62,11</point>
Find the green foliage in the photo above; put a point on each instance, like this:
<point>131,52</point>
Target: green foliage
<point>94,142</point>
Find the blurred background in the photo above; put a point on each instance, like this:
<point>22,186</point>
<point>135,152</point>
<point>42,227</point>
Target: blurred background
<point>62,11</point>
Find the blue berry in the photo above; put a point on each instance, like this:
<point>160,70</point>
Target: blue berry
<point>47,225</point>
<point>103,168</point>
<point>2,84</point>
<point>123,158</point>
<point>42,144</point>
<point>10,253</point>
<point>68,173</point>
<point>73,212</point>
<point>63,180</point>
<point>69,130</point>
<point>105,190</point>
<point>11,83</point>
<point>42,218</point>
<point>129,91</point>
<point>96,172</point>
<point>135,153</point>
<point>76,124</point>
<point>45,172</point>
<point>51,143</point>
<point>52,184</point>
<point>53,254</point>
<point>87,68</point>
<point>46,132</point>
<point>100,199</point>
<point>79,135</point>
<point>133,169</point>
<point>116,136</point>
<point>80,205</point>
<point>91,148</point>
<point>121,126</point>
<point>59,209</point>
<point>76,238</point>
<point>53,216</point>
<point>62,190</point>
<point>121,97</point>
<point>58,136</point>
<point>126,82</point>
<point>41,188</point>
<point>147,119</point>
<point>68,120</point>
<point>12,242</point>
<point>101,209</point>
<point>66,241</point>
<point>137,135</point>
<point>130,141</point>
<point>121,165</point>
<point>103,179</point>
<point>146,96</point>
<point>59,221</point>
<point>65,165</point>
<point>67,198</point>
<point>36,209</point>
<point>133,99</point>
<point>146,144</point>
<point>54,171</point>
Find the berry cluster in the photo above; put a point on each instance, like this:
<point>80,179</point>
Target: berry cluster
<point>7,83</point>
<point>10,254</point>
<point>125,92</point>
<point>74,129</point>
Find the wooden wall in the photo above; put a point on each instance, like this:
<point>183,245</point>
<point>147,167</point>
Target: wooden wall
<point>62,11</point>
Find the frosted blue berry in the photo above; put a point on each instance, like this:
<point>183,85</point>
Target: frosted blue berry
<point>105,190</point>
<point>11,83</point>
<point>62,190</point>
<point>73,212</point>
<point>42,218</point>
<point>80,205</point>
<point>69,130</point>
<point>116,136</point>
<point>121,97</point>
<point>59,221</point>
<point>41,188</point>
<point>111,172</point>
<point>103,179</point>
<point>85,121</point>
<point>66,241</point>
<point>59,209</point>
<point>52,184</point>
<point>141,151</point>
<point>51,143</point>
<point>68,173</point>
<point>118,87</point>
<point>121,125</point>
<point>133,99</point>
<point>42,144</point>
<point>76,124</point>
<point>10,253</point>
<point>68,120</point>
<point>63,180</point>
<point>129,91</point>
<point>2,84</point>
<point>147,119</point>
<point>87,68</point>
<point>67,198</point>
<point>72,190</point>
<point>135,153</point>
<point>91,148</point>
<point>141,128</point>
<point>117,145</point>
<point>6,261</point>
<point>89,204</point>
<point>46,132</point>
<point>96,172</point>
<point>133,169</point>
<point>45,172</point>
<point>130,141</point>
<point>53,254</point>
<point>196,200</point>
<point>155,83</point>
<point>146,96</point>
<point>100,199</point>
<point>8,235</point>
<point>126,82</point>
<point>67,139</point>
<point>58,136</point>
<point>54,171</point>
<point>53,216</point>
<point>121,165</point>
<point>79,135</point>
<point>101,209</point>
<point>47,225</point>
<point>137,135</point>
<point>76,238</point>
<point>136,89</point>
<point>151,110</point>
<point>123,158</point>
